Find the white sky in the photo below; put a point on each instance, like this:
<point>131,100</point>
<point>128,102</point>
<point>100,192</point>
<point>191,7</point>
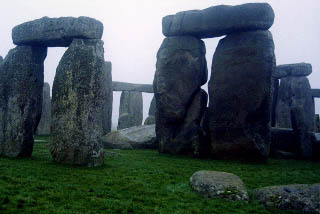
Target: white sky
<point>133,33</point>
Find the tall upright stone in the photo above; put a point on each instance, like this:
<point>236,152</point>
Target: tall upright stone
<point>107,115</point>
<point>152,113</point>
<point>240,96</point>
<point>130,110</point>
<point>274,96</point>
<point>21,83</point>
<point>181,69</point>
<point>301,131</point>
<point>79,97</point>
<point>44,127</point>
<point>294,90</point>
<point>316,123</point>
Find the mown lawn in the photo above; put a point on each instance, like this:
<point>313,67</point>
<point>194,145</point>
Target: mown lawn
<point>141,181</point>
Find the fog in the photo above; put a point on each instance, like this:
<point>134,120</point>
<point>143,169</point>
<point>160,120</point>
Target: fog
<point>132,33</point>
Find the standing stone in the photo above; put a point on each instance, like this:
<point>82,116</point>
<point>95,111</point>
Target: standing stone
<point>301,132</point>
<point>275,91</point>
<point>131,109</point>
<point>219,20</point>
<point>294,91</point>
<point>45,121</point>
<point>151,119</point>
<point>79,97</point>
<point>240,96</point>
<point>21,83</point>
<point>56,32</point>
<point>317,123</point>
<point>181,69</point>
<point>107,115</point>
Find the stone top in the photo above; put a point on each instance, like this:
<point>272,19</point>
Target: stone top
<point>56,32</point>
<point>219,20</point>
<point>123,86</point>
<point>297,69</point>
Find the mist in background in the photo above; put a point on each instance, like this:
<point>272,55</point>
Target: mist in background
<point>133,34</point>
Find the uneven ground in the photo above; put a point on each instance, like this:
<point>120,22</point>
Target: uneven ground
<point>141,181</point>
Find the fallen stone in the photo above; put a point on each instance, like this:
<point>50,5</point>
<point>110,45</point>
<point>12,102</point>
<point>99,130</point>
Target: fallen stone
<point>56,32</point>
<point>240,96</point>
<point>219,184</point>
<point>315,93</point>
<point>137,137</point>
<point>107,115</point>
<point>294,91</point>
<point>124,86</point>
<point>181,69</point>
<point>21,84</point>
<point>219,20</point>
<point>301,132</point>
<point>45,121</point>
<point>151,119</point>
<point>131,110</point>
<point>79,96</point>
<point>304,198</point>
<point>294,70</point>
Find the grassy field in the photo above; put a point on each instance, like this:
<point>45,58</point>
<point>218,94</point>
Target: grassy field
<point>141,181</point>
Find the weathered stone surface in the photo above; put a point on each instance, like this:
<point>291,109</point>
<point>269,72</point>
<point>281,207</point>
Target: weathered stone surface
<point>56,32</point>
<point>185,137</point>
<point>124,86</point>
<point>44,127</point>
<point>137,137</point>
<point>315,93</point>
<point>294,70</point>
<point>219,20</point>
<point>79,97</point>
<point>151,119</point>
<point>240,96</point>
<point>180,71</point>
<point>294,91</point>
<point>21,83</point>
<point>1,59</point>
<point>316,123</point>
<point>301,132</point>
<point>219,184</point>
<point>315,138</point>
<point>107,115</point>
<point>300,197</point>
<point>131,109</point>
<point>275,91</point>
<point>283,139</point>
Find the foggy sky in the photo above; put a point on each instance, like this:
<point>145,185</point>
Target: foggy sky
<point>133,34</point>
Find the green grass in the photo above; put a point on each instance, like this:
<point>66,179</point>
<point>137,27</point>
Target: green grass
<point>140,181</point>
